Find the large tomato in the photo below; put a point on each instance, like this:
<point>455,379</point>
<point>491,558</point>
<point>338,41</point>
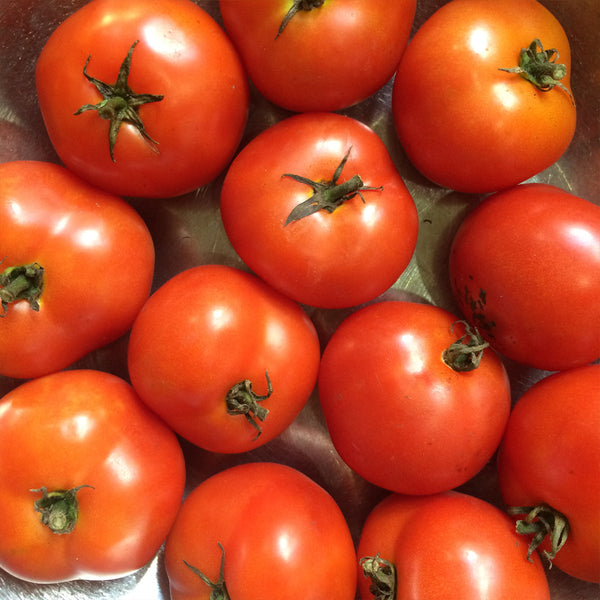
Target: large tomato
<point>258,531</point>
<point>463,120</point>
<point>316,207</point>
<point>406,406</point>
<point>76,268</point>
<point>449,545</point>
<point>549,468</point>
<point>227,361</point>
<point>309,55</point>
<point>90,479</point>
<point>525,270</point>
<point>144,97</point>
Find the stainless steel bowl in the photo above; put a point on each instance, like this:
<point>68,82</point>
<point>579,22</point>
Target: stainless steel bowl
<point>187,231</point>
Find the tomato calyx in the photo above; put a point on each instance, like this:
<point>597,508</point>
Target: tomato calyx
<point>296,7</point>
<point>59,509</point>
<point>241,399</point>
<point>120,104</point>
<point>382,574</point>
<point>23,282</point>
<point>466,352</point>
<point>218,588</point>
<point>328,195</point>
<point>540,68</point>
<point>541,521</point>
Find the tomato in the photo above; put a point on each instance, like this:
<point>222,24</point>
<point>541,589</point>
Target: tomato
<point>525,270</point>
<point>402,411</point>
<point>315,206</point>
<point>222,358</point>
<point>90,479</point>
<point>550,458</point>
<point>77,266</point>
<point>449,545</point>
<point>178,104</point>
<point>276,532</point>
<point>319,55</point>
<point>463,120</point>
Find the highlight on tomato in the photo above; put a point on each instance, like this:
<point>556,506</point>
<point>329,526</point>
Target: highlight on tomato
<point>448,545</point>
<point>525,270</point>
<point>76,266</point>
<point>315,206</point>
<point>482,98</point>
<point>224,359</point>
<point>257,531</point>
<point>143,98</point>
<point>90,479</point>
<point>319,55</point>
<point>548,469</point>
<point>415,401</point>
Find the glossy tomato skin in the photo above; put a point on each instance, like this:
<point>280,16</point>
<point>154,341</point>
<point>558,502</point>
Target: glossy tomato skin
<point>465,124</point>
<point>525,269</point>
<point>85,427</point>
<point>183,55</point>
<point>327,259</point>
<point>450,545</point>
<point>327,58</point>
<point>283,536</point>
<point>208,329</point>
<point>551,454</point>
<point>94,283</point>
<point>397,413</point>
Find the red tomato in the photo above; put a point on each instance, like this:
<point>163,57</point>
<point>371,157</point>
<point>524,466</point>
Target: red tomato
<point>525,270</point>
<point>273,531</point>
<point>312,55</point>
<point>315,206</point>
<point>77,266</point>
<point>550,457</point>
<point>215,349</point>
<point>399,414</point>
<point>187,129</point>
<point>90,479</point>
<point>465,122</point>
<point>449,545</point>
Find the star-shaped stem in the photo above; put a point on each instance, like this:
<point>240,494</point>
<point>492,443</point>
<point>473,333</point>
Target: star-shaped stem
<point>120,104</point>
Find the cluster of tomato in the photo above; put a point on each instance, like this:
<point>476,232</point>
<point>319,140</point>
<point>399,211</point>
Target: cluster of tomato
<point>153,102</point>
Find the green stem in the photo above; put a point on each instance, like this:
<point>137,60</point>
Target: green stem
<point>22,282</point>
<point>241,399</point>
<point>218,588</point>
<point>382,574</point>
<point>59,509</point>
<point>296,7</point>
<point>466,352</point>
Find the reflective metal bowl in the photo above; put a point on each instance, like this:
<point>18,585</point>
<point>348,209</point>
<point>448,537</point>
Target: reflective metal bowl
<point>187,231</point>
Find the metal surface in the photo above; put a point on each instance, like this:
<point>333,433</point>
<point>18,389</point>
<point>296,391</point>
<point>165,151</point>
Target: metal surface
<point>187,231</point>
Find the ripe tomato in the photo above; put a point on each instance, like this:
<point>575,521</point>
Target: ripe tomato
<point>77,266</point>
<point>465,122</point>
<point>319,55</point>
<point>267,531</point>
<point>315,206</point>
<point>187,91</point>
<point>525,270</point>
<point>90,479</point>
<point>550,457</point>
<point>449,545</point>
<point>398,413</point>
<point>215,349</point>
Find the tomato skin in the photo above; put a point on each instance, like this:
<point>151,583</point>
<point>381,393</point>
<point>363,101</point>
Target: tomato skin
<point>329,260</point>
<point>209,328</point>
<point>198,125</point>
<point>551,454</point>
<point>397,414</point>
<point>327,58</point>
<point>463,123</point>
<point>85,427</point>
<point>450,545</point>
<point>509,252</point>
<point>94,285</point>
<point>283,536</point>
